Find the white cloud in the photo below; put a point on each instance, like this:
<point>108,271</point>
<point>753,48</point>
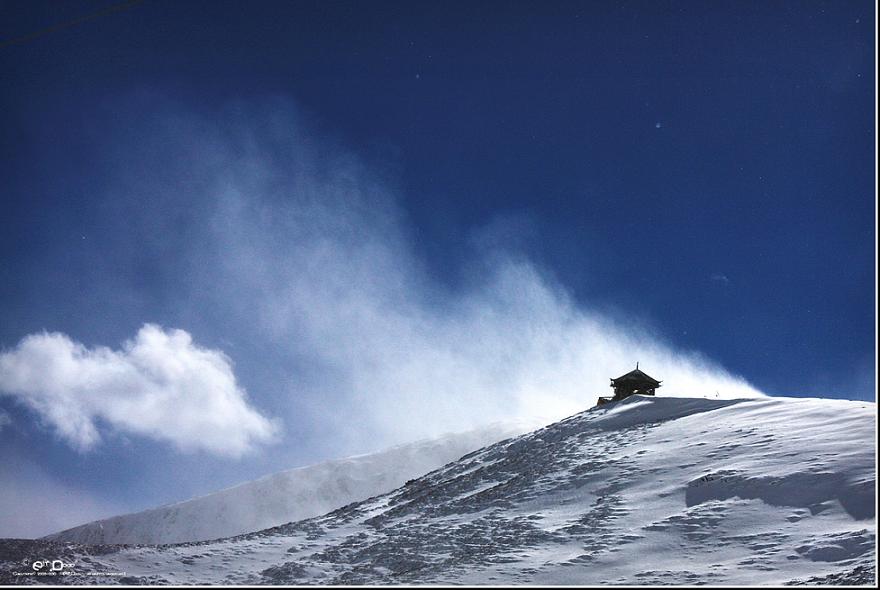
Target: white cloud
<point>160,385</point>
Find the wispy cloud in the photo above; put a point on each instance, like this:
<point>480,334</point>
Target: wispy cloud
<point>316,256</point>
<point>159,385</point>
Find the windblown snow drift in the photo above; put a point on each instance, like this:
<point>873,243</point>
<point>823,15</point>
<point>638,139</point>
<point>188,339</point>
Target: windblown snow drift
<point>643,491</point>
<point>290,495</point>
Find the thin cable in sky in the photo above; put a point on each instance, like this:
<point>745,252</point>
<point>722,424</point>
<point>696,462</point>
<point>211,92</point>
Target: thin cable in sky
<point>74,22</point>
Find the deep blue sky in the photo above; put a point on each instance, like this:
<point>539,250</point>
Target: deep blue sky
<point>706,167</point>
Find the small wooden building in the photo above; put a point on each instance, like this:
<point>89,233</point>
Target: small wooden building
<point>634,382</point>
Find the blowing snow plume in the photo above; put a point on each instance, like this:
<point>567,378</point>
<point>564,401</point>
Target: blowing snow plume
<point>271,238</point>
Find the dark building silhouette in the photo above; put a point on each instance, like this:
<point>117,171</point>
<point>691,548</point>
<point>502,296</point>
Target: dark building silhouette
<point>634,382</point>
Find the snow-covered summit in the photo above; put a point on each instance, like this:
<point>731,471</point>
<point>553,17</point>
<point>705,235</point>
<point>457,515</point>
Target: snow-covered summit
<point>643,491</point>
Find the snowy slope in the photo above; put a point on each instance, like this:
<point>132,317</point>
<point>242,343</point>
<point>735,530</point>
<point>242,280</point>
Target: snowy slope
<point>289,495</point>
<point>643,491</point>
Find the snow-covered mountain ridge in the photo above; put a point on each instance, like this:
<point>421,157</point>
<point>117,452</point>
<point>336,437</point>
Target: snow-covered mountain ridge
<point>643,491</point>
<point>287,496</point>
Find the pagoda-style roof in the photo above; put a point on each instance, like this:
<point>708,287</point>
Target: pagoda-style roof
<point>635,376</point>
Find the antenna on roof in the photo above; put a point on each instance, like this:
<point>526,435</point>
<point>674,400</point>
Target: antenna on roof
<point>637,365</point>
